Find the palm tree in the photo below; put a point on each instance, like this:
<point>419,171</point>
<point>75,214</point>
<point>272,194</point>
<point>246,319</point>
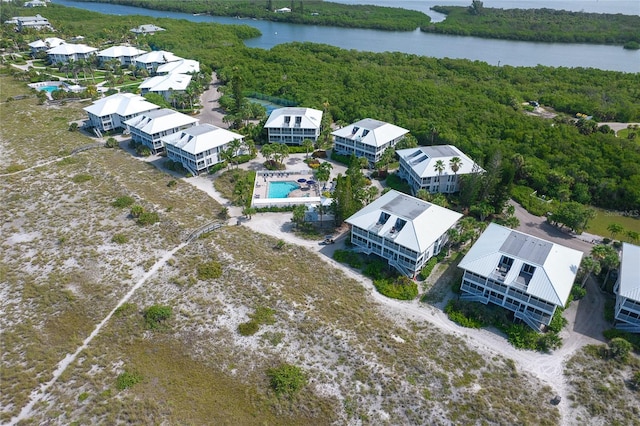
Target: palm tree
<point>308,146</point>
<point>439,167</point>
<point>615,229</point>
<point>322,210</point>
<point>455,163</point>
<point>610,261</point>
<point>267,151</point>
<point>235,146</point>
<point>589,265</point>
<point>323,173</point>
<point>633,236</point>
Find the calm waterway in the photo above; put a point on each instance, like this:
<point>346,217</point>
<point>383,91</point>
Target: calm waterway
<point>495,52</point>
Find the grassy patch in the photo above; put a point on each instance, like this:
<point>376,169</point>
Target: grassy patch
<point>630,221</point>
<point>80,178</point>
<point>123,202</point>
<point>127,379</point>
<point>286,379</point>
<point>209,271</point>
<point>156,316</point>
<point>395,182</point>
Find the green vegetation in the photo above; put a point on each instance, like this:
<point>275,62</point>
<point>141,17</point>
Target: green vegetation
<point>209,271</point>
<point>156,316</point>
<point>80,178</point>
<point>311,12</point>
<point>120,239</point>
<point>521,336</point>
<point>546,25</point>
<point>123,202</point>
<point>262,315</point>
<point>287,379</point>
<point>127,379</point>
<point>554,157</point>
<point>402,288</point>
<point>601,379</point>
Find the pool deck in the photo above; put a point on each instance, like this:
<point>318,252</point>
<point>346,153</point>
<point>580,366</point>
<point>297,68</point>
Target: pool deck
<point>304,195</point>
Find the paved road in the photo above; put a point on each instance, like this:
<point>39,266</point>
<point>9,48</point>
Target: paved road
<point>538,227</point>
<point>211,112</point>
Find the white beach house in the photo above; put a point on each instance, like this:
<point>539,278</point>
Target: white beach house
<point>182,66</point>
<point>111,112</point>
<point>402,229</point>
<point>198,148</point>
<point>431,168</point>
<point>66,52</point>
<point>152,60</point>
<point>32,23</point>
<point>627,290</point>
<point>125,54</point>
<point>146,29</point>
<point>292,125</point>
<point>166,85</point>
<point>367,138</point>
<point>43,45</point>
<point>522,273</point>
<point>149,128</point>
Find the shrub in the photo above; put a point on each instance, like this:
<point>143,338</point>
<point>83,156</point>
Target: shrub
<point>83,396</point>
<point>155,316</point>
<point>209,271</point>
<point>248,328</point>
<point>280,244</point>
<point>143,151</point>
<point>402,288</point>
<point>428,267</point>
<point>459,317</point>
<point>632,338</point>
<point>557,322</point>
<point>73,127</point>
<point>263,315</point>
<point>396,182</point>
<point>148,218</point>
<point>286,379</point>
<point>80,178</point>
<point>344,159</point>
<point>112,143</point>
<point>136,210</point>
<point>122,202</point>
<point>619,348</point>
<point>578,292</point>
<point>120,239</point>
<point>175,166</point>
<point>375,270</point>
<point>216,167</point>
<point>349,257</point>
<point>172,183</point>
<point>126,380</point>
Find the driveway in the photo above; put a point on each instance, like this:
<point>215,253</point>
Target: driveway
<point>539,227</point>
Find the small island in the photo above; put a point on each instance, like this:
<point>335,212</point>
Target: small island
<point>308,12</point>
<point>545,25</point>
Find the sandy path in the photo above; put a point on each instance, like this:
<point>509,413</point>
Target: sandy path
<point>39,394</point>
<point>547,367</point>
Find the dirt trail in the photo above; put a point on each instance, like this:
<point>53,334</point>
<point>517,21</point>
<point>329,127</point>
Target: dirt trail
<point>39,394</point>
<point>582,329</point>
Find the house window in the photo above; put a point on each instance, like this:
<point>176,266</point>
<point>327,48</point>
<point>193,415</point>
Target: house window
<point>528,269</point>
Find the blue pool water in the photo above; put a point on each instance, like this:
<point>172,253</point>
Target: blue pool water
<point>281,189</point>
<point>49,88</point>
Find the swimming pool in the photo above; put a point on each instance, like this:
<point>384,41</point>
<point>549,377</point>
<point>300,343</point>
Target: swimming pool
<point>281,189</point>
<point>49,88</point>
